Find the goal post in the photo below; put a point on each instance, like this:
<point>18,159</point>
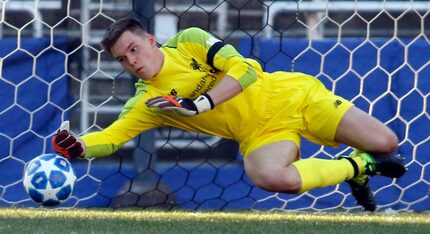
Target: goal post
<point>374,53</point>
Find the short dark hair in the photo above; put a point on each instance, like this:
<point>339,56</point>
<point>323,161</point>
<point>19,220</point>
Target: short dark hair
<point>116,29</point>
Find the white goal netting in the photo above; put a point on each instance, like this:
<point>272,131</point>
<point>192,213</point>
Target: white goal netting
<point>375,53</point>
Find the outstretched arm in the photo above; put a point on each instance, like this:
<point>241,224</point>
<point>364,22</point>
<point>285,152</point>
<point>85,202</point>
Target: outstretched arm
<point>132,121</point>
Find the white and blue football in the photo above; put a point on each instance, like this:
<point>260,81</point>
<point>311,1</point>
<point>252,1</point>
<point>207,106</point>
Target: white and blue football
<point>49,179</point>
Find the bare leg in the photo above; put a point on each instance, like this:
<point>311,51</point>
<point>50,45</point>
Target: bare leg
<point>273,167</point>
<point>364,132</point>
<point>270,167</point>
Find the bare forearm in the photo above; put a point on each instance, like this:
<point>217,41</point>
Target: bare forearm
<point>225,90</point>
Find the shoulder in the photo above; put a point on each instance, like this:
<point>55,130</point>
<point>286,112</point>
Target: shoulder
<point>191,35</point>
<point>141,94</point>
<point>193,31</point>
<point>141,87</point>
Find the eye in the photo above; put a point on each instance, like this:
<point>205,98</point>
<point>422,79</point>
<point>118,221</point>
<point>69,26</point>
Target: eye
<point>121,59</point>
<point>134,49</point>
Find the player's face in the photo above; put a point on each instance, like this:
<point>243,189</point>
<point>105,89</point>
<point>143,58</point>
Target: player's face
<point>138,54</point>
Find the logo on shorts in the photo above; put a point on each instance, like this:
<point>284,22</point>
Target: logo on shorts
<point>337,103</point>
<point>173,92</point>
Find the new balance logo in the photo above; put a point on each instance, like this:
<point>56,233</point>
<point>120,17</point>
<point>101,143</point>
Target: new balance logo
<point>337,103</point>
<point>173,92</point>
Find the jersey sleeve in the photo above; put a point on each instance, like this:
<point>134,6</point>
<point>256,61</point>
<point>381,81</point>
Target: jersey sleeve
<point>134,119</point>
<point>222,57</point>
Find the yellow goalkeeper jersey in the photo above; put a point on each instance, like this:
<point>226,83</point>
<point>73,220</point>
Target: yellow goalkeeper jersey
<point>185,73</point>
<point>195,62</point>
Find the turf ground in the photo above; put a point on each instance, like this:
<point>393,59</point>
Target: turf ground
<point>17,220</point>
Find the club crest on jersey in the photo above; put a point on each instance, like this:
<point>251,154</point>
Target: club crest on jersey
<point>195,65</point>
<point>201,67</point>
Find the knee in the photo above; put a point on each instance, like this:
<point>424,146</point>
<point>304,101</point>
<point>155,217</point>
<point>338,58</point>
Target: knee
<point>277,181</point>
<point>388,144</point>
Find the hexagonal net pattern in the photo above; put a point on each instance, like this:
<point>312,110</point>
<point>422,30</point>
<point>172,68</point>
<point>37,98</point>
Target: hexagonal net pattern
<point>374,53</point>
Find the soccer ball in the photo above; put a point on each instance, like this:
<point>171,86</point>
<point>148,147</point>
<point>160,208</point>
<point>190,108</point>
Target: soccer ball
<point>49,179</point>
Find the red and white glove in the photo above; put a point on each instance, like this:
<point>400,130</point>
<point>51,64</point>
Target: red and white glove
<point>66,144</point>
<point>182,106</point>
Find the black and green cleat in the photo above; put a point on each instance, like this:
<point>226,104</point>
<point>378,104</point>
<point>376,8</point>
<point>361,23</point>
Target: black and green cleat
<point>362,193</point>
<point>392,167</point>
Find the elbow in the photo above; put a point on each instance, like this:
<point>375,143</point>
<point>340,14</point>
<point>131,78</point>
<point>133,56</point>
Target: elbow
<point>248,78</point>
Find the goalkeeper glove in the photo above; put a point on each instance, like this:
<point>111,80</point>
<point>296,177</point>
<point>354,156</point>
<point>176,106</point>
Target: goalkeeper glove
<point>182,106</point>
<point>67,145</point>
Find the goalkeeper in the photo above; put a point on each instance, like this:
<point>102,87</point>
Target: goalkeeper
<point>196,82</point>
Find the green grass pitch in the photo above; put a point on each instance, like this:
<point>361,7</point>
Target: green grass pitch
<point>20,220</point>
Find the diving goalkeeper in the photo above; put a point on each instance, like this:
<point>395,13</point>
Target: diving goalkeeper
<point>196,82</point>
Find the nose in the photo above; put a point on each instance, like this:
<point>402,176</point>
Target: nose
<point>132,61</point>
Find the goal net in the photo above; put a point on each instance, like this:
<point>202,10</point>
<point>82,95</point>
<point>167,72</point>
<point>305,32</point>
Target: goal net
<point>374,53</point>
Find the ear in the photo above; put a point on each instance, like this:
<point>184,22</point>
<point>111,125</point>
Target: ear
<point>151,38</point>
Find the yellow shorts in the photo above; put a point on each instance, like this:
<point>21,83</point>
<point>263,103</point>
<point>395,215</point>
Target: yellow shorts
<point>296,104</point>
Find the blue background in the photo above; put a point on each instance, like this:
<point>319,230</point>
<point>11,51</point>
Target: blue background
<point>388,78</point>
